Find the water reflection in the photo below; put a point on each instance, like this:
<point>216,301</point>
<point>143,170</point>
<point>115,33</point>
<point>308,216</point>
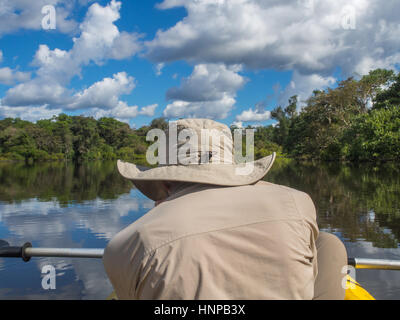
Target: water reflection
<point>49,224</point>
<point>66,205</point>
<point>65,182</point>
<point>63,205</point>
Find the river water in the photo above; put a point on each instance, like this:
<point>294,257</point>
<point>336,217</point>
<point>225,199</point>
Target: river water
<point>83,206</point>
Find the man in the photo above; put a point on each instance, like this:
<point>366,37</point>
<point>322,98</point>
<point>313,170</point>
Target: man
<point>218,231</point>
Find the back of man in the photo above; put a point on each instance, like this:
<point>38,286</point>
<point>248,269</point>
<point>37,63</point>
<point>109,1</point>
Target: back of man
<point>208,242</point>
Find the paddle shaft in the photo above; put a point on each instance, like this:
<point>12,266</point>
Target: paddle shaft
<point>65,253</point>
<point>26,252</point>
<point>376,264</point>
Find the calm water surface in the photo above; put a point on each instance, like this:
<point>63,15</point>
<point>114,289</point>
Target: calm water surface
<point>67,205</point>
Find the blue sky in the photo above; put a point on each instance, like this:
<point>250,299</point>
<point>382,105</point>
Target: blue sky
<point>232,61</point>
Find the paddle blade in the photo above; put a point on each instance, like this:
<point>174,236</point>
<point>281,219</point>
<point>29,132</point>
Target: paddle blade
<point>4,243</point>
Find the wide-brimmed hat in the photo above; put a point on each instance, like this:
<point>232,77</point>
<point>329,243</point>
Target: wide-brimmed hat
<point>198,151</point>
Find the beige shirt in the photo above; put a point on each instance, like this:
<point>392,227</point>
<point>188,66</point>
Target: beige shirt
<point>208,242</point>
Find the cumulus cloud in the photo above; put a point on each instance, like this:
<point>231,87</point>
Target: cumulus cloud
<point>209,109</point>
<point>303,86</point>
<point>104,94</point>
<point>122,112</point>
<point>35,93</point>
<point>28,113</point>
<point>252,115</point>
<point>238,124</point>
<point>98,41</point>
<point>208,82</point>
<point>311,37</point>
<point>279,35</point>
<point>149,110</point>
<point>125,45</point>
<point>27,14</point>
<point>9,76</point>
<point>208,92</point>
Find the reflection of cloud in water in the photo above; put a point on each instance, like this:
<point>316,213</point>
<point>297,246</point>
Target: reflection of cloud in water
<point>89,274</point>
<point>94,279</point>
<point>35,220</point>
<point>49,224</point>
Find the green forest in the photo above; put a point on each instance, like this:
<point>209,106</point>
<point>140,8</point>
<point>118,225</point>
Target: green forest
<point>357,120</point>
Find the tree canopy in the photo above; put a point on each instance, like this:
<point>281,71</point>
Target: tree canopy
<point>357,120</point>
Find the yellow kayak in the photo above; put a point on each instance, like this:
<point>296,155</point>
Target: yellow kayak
<point>355,291</point>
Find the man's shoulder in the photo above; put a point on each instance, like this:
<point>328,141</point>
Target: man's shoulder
<point>212,209</point>
<point>281,188</point>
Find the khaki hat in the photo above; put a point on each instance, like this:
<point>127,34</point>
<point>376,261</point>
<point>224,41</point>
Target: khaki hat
<point>206,157</point>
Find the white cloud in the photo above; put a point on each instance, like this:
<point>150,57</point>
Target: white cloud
<point>125,46</point>
<point>253,116</point>
<point>104,94</point>
<point>238,124</point>
<point>35,93</point>
<point>102,99</point>
<point>208,82</point>
<point>47,93</point>
<point>9,76</point>
<point>279,35</point>
<point>307,37</point>
<point>208,92</point>
<point>28,113</point>
<point>27,14</point>
<point>303,86</point>
<point>208,109</point>
<point>122,112</point>
<point>99,40</point>
<point>159,68</point>
<point>149,110</point>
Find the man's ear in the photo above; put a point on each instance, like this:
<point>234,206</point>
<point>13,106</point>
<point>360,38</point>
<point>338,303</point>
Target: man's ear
<point>167,185</point>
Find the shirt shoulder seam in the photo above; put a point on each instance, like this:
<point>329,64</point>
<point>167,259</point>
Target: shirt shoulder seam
<point>150,251</point>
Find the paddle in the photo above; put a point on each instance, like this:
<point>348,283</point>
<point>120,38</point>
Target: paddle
<point>26,252</point>
<point>6,251</point>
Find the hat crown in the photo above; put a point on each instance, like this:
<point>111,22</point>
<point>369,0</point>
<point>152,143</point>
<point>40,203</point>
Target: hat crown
<point>199,141</point>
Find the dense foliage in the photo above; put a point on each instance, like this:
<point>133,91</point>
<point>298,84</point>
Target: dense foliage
<point>73,138</point>
<point>358,120</point>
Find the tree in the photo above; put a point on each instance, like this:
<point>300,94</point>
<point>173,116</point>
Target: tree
<point>284,118</point>
<point>371,85</point>
<point>389,97</point>
<point>159,123</point>
<point>375,135</point>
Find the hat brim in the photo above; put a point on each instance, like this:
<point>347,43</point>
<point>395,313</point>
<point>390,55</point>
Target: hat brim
<point>149,180</point>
